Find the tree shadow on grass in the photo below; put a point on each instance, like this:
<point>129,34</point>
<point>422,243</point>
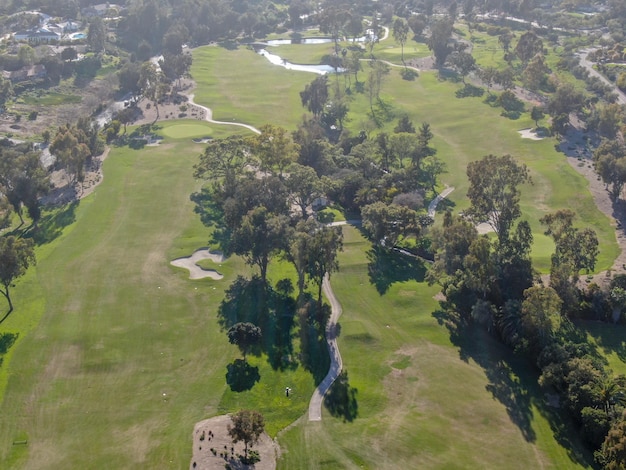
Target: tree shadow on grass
<point>313,347</point>
<point>253,301</point>
<point>512,382</point>
<point>470,91</point>
<point>341,400</point>
<point>51,224</point>
<point>241,376</point>
<point>6,341</point>
<point>208,207</point>
<point>386,267</point>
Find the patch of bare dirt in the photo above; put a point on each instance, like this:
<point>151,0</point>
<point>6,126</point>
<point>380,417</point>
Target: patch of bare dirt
<point>213,448</point>
<point>63,191</point>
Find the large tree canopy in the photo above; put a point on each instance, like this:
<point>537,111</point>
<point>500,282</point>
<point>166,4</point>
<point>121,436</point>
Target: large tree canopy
<point>494,191</point>
<point>16,255</point>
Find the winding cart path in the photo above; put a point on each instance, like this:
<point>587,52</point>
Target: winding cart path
<point>315,405</point>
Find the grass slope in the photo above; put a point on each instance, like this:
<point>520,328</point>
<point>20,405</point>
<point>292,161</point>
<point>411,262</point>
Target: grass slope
<point>120,328</point>
<point>422,401</point>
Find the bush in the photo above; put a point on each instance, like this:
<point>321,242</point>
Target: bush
<point>408,74</point>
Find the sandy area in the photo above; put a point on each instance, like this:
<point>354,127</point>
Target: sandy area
<point>195,271</point>
<point>213,434</point>
<point>529,134</point>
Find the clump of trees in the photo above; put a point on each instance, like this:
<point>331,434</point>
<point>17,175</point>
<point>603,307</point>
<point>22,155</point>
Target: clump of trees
<point>490,283</point>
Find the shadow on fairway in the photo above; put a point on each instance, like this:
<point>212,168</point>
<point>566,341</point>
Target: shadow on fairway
<point>314,354</point>
<point>341,400</point>
<point>386,267</point>
<point>241,376</point>
<point>52,223</point>
<point>253,301</point>
<point>512,382</point>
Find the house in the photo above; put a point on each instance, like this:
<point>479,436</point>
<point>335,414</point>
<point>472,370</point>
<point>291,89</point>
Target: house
<point>38,36</point>
<point>99,10</point>
<point>33,72</point>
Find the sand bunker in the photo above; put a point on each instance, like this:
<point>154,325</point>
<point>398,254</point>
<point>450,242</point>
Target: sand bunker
<point>195,271</point>
<point>212,447</point>
<point>530,134</point>
<point>203,140</point>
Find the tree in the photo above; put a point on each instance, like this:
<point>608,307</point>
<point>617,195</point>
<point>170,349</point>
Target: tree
<point>464,63</point>
<point>96,34</point>
<point>536,114</point>
<point>151,84</point>
<point>440,34</point>
<point>26,55</point>
<point>245,335</point>
<point>22,181</point>
<point>378,71</point>
<point>275,149</point>
<point>223,161</point>
<point>70,147</point>
<point>541,315</point>
<point>298,251</point>
<point>129,78</point>
<point>575,248</point>
<point>247,426</point>
<point>386,224</point>
<point>324,245</point>
<point>565,100</point>
<point>614,447</point>
<point>488,77</point>
<point>528,46</point>
<point>6,92</point>
<point>304,186</point>
<point>534,74</point>
<point>404,125</point>
<point>315,95</point>
<point>125,116</point>
<point>175,66</point>
<point>418,24</point>
<point>16,255</point>
<point>403,146</point>
<point>610,162</point>
<point>400,33</point>
<point>493,193</point>
<point>259,237</point>
<point>353,63</point>
<point>504,39</point>
<point>69,54</point>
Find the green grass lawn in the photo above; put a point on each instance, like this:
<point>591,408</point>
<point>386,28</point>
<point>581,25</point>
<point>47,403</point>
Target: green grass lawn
<point>422,402</point>
<point>106,335</point>
<point>239,85</point>
<point>51,98</point>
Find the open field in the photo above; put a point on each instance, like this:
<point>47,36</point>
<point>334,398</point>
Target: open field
<point>119,354</point>
<point>117,327</point>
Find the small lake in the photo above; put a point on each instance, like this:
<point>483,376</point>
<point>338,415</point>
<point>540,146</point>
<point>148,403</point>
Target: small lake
<point>318,69</point>
<point>283,42</point>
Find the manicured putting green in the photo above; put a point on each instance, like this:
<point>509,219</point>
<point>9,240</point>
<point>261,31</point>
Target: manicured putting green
<point>186,130</point>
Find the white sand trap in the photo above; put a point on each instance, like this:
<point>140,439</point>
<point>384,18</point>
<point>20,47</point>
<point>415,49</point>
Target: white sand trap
<point>195,271</point>
<point>484,228</point>
<point>530,134</point>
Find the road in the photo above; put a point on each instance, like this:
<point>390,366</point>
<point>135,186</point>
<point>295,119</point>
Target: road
<point>621,96</point>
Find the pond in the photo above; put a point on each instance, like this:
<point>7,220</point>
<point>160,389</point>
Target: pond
<point>282,42</point>
<point>319,69</point>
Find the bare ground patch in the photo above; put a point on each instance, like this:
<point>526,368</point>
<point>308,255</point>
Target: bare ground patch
<point>210,439</point>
